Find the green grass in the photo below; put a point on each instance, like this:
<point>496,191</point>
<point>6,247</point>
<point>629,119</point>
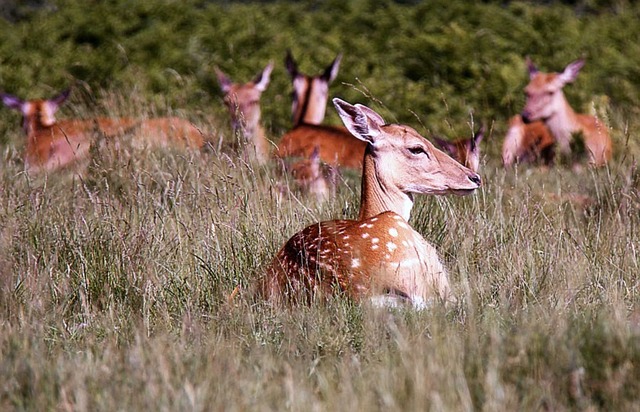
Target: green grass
<point>115,283</point>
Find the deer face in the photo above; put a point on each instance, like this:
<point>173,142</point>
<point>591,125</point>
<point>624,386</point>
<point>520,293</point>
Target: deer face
<point>310,93</point>
<point>544,92</point>
<point>36,114</point>
<point>417,166</point>
<point>243,100</point>
<point>404,160</point>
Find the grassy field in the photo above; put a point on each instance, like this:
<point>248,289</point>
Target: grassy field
<point>115,283</point>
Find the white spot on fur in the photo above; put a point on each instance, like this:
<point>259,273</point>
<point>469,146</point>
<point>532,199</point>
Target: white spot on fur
<point>365,235</point>
<point>355,263</point>
<point>391,246</point>
<point>397,217</point>
<point>374,247</point>
<point>375,219</point>
<point>393,232</point>
<point>375,240</point>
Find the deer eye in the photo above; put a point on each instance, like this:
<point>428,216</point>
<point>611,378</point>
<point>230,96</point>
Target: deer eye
<point>418,150</point>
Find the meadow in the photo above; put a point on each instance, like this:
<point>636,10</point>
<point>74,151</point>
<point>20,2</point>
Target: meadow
<point>117,284</point>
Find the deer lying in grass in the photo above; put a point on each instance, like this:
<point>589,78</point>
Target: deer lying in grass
<point>465,151</point>
<point>546,102</point>
<point>310,93</point>
<point>336,145</point>
<point>378,256</point>
<point>527,143</point>
<point>243,102</point>
<point>53,144</point>
<point>310,178</point>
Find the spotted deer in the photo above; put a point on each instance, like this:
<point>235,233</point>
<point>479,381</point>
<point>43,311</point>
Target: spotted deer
<point>53,144</point>
<point>243,102</point>
<point>378,256</point>
<point>336,145</point>
<point>527,143</point>
<point>545,101</point>
<point>465,151</point>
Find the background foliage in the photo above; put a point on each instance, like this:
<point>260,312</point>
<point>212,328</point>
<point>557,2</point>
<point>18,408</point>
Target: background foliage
<point>115,283</point>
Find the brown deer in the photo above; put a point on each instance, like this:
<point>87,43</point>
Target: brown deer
<point>53,144</point>
<point>309,176</point>
<point>465,151</point>
<point>243,102</point>
<point>336,145</point>
<point>310,93</point>
<point>546,102</point>
<point>378,256</point>
<point>527,143</point>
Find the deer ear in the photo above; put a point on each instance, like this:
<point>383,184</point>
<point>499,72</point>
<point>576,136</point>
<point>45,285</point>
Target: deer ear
<point>445,145</point>
<point>533,70</point>
<point>60,98</point>
<point>570,72</point>
<point>478,136</point>
<point>12,102</point>
<point>362,122</point>
<point>331,72</point>
<point>290,64</point>
<point>262,80</point>
<point>223,80</point>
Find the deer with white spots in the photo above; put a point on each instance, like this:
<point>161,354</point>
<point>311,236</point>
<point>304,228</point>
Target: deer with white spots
<point>378,256</point>
<point>53,144</point>
<point>466,150</point>
<point>336,145</point>
<point>546,102</point>
<point>243,102</point>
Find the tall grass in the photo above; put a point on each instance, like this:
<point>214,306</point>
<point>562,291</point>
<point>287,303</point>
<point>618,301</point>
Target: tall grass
<point>118,280</point>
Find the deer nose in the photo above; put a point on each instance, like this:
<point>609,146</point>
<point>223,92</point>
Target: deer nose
<point>475,178</point>
<point>526,117</point>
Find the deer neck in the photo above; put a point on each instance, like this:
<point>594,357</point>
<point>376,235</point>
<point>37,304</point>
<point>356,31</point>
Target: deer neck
<point>255,137</point>
<point>379,195</point>
<point>563,123</point>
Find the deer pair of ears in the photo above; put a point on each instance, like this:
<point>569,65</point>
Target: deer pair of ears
<point>16,103</point>
<point>261,81</point>
<point>568,75</point>
<point>329,74</point>
<point>362,122</point>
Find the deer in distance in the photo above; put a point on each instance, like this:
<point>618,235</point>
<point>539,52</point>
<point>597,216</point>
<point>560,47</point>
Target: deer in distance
<point>243,102</point>
<point>336,145</point>
<point>545,101</point>
<point>378,256</point>
<point>465,151</point>
<point>527,143</point>
<point>53,144</point>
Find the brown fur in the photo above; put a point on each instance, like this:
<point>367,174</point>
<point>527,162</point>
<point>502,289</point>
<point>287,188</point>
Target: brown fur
<point>379,255</point>
<point>527,143</point>
<point>546,102</point>
<point>336,145</point>
<point>53,144</point>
